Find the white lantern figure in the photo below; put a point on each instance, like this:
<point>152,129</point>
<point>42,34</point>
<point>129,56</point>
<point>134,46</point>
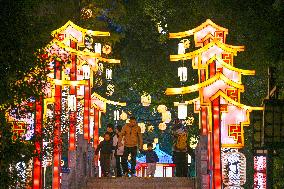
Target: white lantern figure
<point>109,74</point>
<point>146,100</point>
<point>182,110</point>
<point>181,49</point>
<point>123,116</point>
<point>116,115</point>
<point>142,126</point>
<point>162,126</point>
<point>72,103</point>
<point>98,48</point>
<point>86,71</point>
<point>166,116</point>
<point>182,73</point>
<point>161,108</point>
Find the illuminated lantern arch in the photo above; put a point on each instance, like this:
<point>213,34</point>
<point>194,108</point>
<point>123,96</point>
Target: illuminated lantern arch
<point>222,116</point>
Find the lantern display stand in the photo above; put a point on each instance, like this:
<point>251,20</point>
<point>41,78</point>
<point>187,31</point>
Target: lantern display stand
<point>222,116</point>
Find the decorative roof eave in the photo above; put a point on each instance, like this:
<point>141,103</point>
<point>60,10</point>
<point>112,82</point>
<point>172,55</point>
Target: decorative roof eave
<point>196,87</point>
<point>228,66</point>
<point>78,28</point>
<point>96,95</point>
<point>198,28</point>
<point>82,53</point>
<point>188,101</point>
<point>190,55</point>
<point>222,94</point>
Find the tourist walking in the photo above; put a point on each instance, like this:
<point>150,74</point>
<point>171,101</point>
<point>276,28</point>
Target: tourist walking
<point>151,160</point>
<point>105,148</point>
<point>119,149</point>
<point>131,134</point>
<point>180,149</point>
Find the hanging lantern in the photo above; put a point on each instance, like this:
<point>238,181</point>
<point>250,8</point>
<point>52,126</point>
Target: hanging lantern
<point>193,142</point>
<point>86,71</point>
<point>182,73</point>
<point>72,103</point>
<point>182,110</point>
<point>156,140</point>
<point>146,100</point>
<point>142,126</point>
<point>86,13</point>
<point>162,126</point>
<point>109,74</point>
<point>161,108</point>
<point>116,115</point>
<point>123,116</point>
<point>98,48</point>
<point>106,49</point>
<point>181,49</point>
<point>166,117</point>
<point>110,89</point>
<point>189,121</point>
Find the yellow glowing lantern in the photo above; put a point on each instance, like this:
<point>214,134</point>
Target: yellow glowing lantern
<point>162,126</point>
<point>123,116</point>
<point>182,110</point>
<point>144,146</point>
<point>161,108</point>
<point>166,117</point>
<point>146,99</point>
<point>181,48</point>
<point>86,71</point>
<point>106,49</point>
<point>156,140</point>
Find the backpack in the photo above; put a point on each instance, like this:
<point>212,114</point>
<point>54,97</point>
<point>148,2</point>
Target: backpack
<point>181,143</point>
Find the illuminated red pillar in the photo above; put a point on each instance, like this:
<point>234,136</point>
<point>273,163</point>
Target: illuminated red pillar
<point>73,91</point>
<point>216,135</point>
<point>38,145</point>
<point>87,103</point>
<point>96,127</point>
<point>56,131</point>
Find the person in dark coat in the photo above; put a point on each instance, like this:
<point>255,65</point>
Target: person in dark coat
<point>151,160</point>
<point>105,148</point>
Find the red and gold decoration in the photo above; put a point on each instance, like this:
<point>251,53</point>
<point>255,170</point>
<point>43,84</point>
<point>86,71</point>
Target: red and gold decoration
<point>222,115</point>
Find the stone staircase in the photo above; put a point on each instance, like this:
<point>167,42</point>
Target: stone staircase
<point>141,182</point>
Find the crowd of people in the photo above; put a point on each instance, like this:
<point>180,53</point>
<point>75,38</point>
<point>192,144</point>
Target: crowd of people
<point>121,144</point>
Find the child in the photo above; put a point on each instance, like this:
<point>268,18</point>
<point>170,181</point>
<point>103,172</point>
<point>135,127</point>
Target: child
<point>151,160</point>
<point>119,149</point>
<point>105,148</point>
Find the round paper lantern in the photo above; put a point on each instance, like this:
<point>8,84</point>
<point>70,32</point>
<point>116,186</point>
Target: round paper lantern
<point>162,126</point>
<point>106,49</point>
<point>86,13</point>
<point>123,116</point>
<point>166,117</point>
<point>161,108</point>
<point>146,99</point>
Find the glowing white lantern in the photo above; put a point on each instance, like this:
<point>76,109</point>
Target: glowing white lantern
<point>182,73</point>
<point>98,48</point>
<point>182,110</point>
<point>123,116</point>
<point>181,49</point>
<point>166,117</point>
<point>161,108</point>
<point>86,71</point>
<point>146,100</point>
<point>142,126</point>
<point>72,104</point>
<point>109,74</point>
<point>116,115</point>
<point>162,126</point>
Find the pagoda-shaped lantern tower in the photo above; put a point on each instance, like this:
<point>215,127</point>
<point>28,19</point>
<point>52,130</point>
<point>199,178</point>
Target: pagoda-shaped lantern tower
<point>222,116</point>
<point>76,62</point>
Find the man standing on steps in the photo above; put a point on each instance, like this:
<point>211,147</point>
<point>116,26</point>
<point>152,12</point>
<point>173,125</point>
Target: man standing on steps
<point>131,134</point>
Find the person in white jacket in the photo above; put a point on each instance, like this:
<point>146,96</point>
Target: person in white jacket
<point>119,149</point>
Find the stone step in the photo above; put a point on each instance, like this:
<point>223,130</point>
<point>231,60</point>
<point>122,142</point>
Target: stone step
<point>140,182</point>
